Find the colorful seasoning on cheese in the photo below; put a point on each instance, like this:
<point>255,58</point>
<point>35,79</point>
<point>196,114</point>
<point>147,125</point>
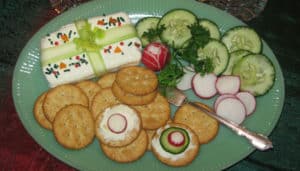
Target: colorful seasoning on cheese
<point>111,22</point>
<point>67,66</point>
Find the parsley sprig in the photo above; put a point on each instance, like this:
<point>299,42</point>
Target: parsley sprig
<point>153,33</point>
<point>200,37</point>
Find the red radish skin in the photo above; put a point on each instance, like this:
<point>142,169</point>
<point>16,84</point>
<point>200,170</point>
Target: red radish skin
<point>232,109</point>
<point>186,81</point>
<point>155,56</point>
<point>176,138</point>
<point>117,123</point>
<point>249,101</point>
<point>204,86</point>
<point>220,98</point>
<point>228,84</point>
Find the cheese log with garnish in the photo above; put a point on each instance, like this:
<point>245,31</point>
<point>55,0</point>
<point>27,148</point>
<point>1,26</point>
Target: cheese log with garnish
<point>88,48</point>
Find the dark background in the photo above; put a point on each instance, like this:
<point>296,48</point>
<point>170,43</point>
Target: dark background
<point>278,25</point>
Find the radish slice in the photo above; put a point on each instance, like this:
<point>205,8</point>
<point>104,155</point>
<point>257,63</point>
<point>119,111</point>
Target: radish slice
<point>117,123</point>
<point>228,84</point>
<point>232,109</point>
<point>220,98</point>
<point>176,138</point>
<point>185,82</point>
<point>204,86</point>
<point>249,101</point>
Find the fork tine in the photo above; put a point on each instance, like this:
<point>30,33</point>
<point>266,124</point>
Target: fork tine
<point>175,96</point>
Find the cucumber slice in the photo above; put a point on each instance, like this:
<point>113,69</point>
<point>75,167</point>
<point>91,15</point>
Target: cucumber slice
<point>92,40</point>
<point>54,54</point>
<point>167,146</point>
<point>218,52</point>
<point>234,57</point>
<point>256,72</point>
<point>144,25</point>
<point>212,27</point>
<point>242,37</point>
<point>176,22</point>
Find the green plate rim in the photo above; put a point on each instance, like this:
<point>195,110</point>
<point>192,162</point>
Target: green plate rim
<point>65,15</point>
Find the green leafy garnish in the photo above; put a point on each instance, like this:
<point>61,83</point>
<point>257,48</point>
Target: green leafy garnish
<point>169,77</point>
<point>200,37</point>
<point>153,33</point>
<point>171,74</point>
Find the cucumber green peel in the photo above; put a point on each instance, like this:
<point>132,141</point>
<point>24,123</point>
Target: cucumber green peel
<point>256,72</point>
<point>86,40</point>
<point>171,148</point>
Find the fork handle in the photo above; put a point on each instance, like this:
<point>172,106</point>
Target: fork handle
<point>259,141</point>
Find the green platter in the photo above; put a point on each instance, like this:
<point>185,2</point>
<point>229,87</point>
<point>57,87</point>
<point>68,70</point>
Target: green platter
<point>225,150</point>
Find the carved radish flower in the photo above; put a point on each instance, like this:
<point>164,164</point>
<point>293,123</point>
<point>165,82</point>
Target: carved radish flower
<point>155,56</point>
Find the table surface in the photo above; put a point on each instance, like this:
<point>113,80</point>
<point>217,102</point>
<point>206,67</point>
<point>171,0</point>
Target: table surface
<point>277,24</point>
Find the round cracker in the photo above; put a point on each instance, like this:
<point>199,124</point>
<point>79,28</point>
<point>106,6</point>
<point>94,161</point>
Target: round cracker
<point>107,80</point>
<point>73,126</point>
<point>134,126</point>
<point>203,125</point>
<point>90,89</point>
<point>189,153</point>
<point>131,99</point>
<point>156,113</point>
<point>137,80</point>
<point>39,113</point>
<point>128,153</point>
<point>102,100</point>
<point>61,96</point>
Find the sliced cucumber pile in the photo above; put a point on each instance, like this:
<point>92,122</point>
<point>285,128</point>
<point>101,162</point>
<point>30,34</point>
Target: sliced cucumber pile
<point>232,53</point>
<point>256,72</point>
<point>172,147</point>
<point>218,52</point>
<point>176,22</point>
<point>145,25</point>
<point>242,37</point>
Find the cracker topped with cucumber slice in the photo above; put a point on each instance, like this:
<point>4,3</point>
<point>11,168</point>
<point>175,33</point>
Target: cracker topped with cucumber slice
<point>175,144</point>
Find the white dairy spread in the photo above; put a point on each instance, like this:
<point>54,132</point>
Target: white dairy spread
<point>66,33</point>
<point>158,148</point>
<point>69,70</point>
<point>129,54</point>
<point>120,17</point>
<point>133,122</point>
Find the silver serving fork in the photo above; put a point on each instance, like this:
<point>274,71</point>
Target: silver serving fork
<point>259,141</point>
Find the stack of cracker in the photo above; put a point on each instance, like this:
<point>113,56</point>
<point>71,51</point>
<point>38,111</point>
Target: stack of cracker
<point>64,109</point>
<point>76,113</point>
<point>136,88</point>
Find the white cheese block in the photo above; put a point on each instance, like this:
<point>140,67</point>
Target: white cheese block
<point>65,34</point>
<point>69,70</point>
<point>89,48</point>
<point>121,54</point>
<point>109,21</point>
